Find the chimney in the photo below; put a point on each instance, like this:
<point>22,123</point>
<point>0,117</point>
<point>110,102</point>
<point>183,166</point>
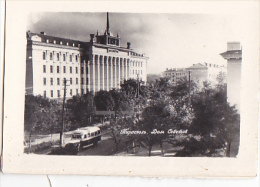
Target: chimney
<point>43,33</point>
<point>92,37</point>
<point>128,45</point>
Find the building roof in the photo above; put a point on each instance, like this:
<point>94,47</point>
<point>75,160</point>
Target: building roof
<point>234,54</point>
<point>197,66</point>
<point>57,39</point>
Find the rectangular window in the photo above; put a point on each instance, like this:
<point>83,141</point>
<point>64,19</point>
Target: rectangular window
<point>86,80</point>
<point>51,81</point>
<point>77,91</point>
<point>70,80</point>
<point>133,71</point>
<point>71,92</point>
<point>64,57</point>
<point>77,70</point>
<point>44,69</point>
<point>141,72</point>
<point>44,93</point>
<point>58,93</point>
<point>77,81</point>
<point>58,81</point>
<point>44,81</point>
<point>70,58</point>
<point>82,70</point>
<point>58,56</point>
<point>82,91</point>
<point>70,69</point>
<point>44,55</point>
<point>58,69</point>
<point>82,80</point>
<point>50,56</point>
<point>136,72</point>
<point>64,69</point>
<point>76,58</point>
<point>87,70</point>
<point>51,68</point>
<point>51,93</point>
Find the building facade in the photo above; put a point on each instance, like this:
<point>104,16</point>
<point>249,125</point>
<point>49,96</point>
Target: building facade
<point>100,64</point>
<point>197,73</point>
<point>233,55</point>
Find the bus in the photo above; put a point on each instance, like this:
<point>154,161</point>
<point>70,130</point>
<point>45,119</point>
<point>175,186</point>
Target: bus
<point>84,137</point>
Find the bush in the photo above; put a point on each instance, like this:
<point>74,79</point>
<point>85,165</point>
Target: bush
<point>38,147</point>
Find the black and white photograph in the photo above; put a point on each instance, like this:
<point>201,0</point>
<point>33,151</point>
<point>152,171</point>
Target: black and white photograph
<point>132,85</point>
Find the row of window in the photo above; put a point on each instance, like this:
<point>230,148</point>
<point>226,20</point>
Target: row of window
<point>59,81</point>
<point>64,57</point>
<point>169,74</point>
<point>61,43</point>
<point>64,69</point>
<point>58,92</point>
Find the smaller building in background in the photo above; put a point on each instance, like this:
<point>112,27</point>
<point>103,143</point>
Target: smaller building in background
<point>197,72</point>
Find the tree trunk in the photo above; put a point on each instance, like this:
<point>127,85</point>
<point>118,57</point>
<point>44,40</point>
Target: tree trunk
<point>161,146</point>
<point>117,144</point>
<point>150,151</point>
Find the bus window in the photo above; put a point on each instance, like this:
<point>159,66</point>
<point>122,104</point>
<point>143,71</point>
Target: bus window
<point>76,136</point>
<point>99,132</point>
<point>92,134</point>
<point>95,133</point>
<point>85,136</point>
<point>88,134</point>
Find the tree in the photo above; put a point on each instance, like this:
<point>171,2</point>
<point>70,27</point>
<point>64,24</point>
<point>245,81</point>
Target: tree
<point>215,125</point>
<point>122,103</point>
<point>154,124</point>
<point>36,117</point>
<point>163,112</point>
<point>81,109</point>
<point>115,128</point>
<point>104,101</point>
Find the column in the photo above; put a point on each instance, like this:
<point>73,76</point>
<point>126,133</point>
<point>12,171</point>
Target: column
<point>97,74</point>
<point>127,69</point>
<point>92,74</point>
<point>110,78</point>
<point>88,76</point>
<point>121,70</point>
<point>114,72</point>
<point>105,74</point>
<point>125,75</point>
<point>101,62</point>
<point>118,72</point>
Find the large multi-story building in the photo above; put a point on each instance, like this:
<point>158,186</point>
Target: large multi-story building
<point>197,73</point>
<point>100,64</point>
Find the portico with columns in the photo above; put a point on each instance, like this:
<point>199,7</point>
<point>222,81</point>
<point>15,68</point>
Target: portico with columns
<point>110,64</point>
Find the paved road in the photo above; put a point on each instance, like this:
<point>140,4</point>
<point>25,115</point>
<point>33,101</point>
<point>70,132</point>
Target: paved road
<point>104,147</point>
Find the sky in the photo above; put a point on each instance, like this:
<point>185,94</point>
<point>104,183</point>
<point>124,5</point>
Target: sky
<point>169,40</point>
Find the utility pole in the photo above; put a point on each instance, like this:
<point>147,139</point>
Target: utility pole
<point>63,111</point>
